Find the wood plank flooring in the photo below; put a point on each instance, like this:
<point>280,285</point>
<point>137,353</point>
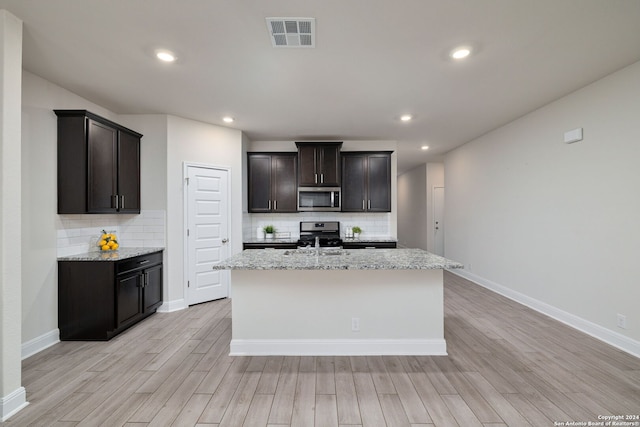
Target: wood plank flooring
<point>507,366</point>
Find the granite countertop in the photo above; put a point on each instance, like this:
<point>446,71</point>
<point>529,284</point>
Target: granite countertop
<point>355,259</point>
<point>120,254</point>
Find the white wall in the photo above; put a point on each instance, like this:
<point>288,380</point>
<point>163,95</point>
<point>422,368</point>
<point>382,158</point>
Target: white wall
<point>197,142</point>
<point>412,208</point>
<point>12,394</point>
<point>39,201</point>
<point>557,223</point>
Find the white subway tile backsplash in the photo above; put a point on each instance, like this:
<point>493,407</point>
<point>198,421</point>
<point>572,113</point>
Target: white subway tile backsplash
<point>80,233</point>
<point>372,224</point>
<point>156,214</point>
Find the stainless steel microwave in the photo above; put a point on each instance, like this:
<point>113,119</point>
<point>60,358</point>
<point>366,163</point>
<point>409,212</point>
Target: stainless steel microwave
<point>318,199</point>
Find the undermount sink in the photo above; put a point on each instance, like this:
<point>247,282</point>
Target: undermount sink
<point>313,252</point>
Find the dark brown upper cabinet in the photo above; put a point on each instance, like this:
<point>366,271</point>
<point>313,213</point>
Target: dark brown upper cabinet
<point>98,165</point>
<point>319,164</point>
<point>366,181</point>
<point>272,182</point>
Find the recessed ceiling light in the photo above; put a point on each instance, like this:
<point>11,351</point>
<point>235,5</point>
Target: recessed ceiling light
<point>228,119</point>
<point>460,52</point>
<point>165,56</point>
<point>424,147</point>
<point>406,117</point>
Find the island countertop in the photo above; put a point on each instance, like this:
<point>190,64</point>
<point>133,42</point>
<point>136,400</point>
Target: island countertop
<point>347,259</point>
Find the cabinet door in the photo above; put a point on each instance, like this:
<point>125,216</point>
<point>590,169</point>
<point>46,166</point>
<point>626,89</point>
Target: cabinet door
<point>329,165</point>
<point>379,183</point>
<point>284,187</point>
<point>129,304</point>
<point>259,166</point>
<point>353,183</point>
<point>128,173</point>
<point>102,171</point>
<point>307,161</point>
<point>152,288</point>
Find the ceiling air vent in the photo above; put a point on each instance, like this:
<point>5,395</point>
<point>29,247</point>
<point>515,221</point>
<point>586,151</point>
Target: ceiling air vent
<point>292,32</point>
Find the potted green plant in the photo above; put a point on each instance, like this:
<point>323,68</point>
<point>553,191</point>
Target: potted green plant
<point>269,230</point>
<point>356,231</point>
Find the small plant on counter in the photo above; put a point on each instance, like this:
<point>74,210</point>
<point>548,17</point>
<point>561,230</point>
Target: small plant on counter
<point>108,241</point>
<point>356,230</point>
<point>269,230</point>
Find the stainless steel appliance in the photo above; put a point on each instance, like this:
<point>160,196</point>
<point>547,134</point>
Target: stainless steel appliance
<point>327,233</point>
<point>318,199</point>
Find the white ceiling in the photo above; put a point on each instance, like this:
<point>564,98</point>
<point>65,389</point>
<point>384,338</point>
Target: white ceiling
<point>373,61</point>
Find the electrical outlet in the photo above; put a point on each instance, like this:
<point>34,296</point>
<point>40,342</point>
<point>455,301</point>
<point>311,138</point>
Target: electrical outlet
<point>355,324</point>
<point>622,321</point>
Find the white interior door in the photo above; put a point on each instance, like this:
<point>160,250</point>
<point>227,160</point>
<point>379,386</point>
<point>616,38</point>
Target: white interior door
<point>208,227</point>
<point>438,220</point>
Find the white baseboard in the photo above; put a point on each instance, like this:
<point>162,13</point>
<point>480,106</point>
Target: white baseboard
<point>373,347</point>
<point>38,344</point>
<point>12,403</point>
<point>608,336</point>
<point>175,305</point>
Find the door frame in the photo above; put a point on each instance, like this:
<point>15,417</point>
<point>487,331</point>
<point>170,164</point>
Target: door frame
<point>185,220</point>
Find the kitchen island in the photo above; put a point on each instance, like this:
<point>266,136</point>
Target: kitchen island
<point>337,302</point>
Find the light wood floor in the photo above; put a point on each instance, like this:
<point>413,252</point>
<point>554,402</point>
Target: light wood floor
<point>507,365</point>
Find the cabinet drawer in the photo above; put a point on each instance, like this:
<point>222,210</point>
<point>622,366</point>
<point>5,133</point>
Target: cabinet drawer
<point>142,261</point>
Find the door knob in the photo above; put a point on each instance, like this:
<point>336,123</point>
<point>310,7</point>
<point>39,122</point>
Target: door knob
<point>225,240</point>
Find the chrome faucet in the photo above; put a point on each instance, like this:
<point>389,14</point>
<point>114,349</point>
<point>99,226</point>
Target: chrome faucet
<point>317,245</point>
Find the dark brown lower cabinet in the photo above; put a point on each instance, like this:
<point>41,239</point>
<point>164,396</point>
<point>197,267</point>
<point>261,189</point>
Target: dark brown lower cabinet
<point>99,299</point>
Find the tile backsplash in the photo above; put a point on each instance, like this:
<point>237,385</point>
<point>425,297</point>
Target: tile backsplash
<point>79,233</point>
<point>372,224</point>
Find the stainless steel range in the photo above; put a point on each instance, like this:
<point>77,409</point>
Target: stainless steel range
<point>327,233</point>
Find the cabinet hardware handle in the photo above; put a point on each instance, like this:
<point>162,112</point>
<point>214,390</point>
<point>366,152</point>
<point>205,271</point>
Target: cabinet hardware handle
<point>363,208</point>
<point>275,205</point>
<point>122,202</point>
<point>315,178</point>
<point>269,205</point>
<point>144,262</point>
<point>321,178</point>
<point>369,204</point>
<point>114,201</point>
